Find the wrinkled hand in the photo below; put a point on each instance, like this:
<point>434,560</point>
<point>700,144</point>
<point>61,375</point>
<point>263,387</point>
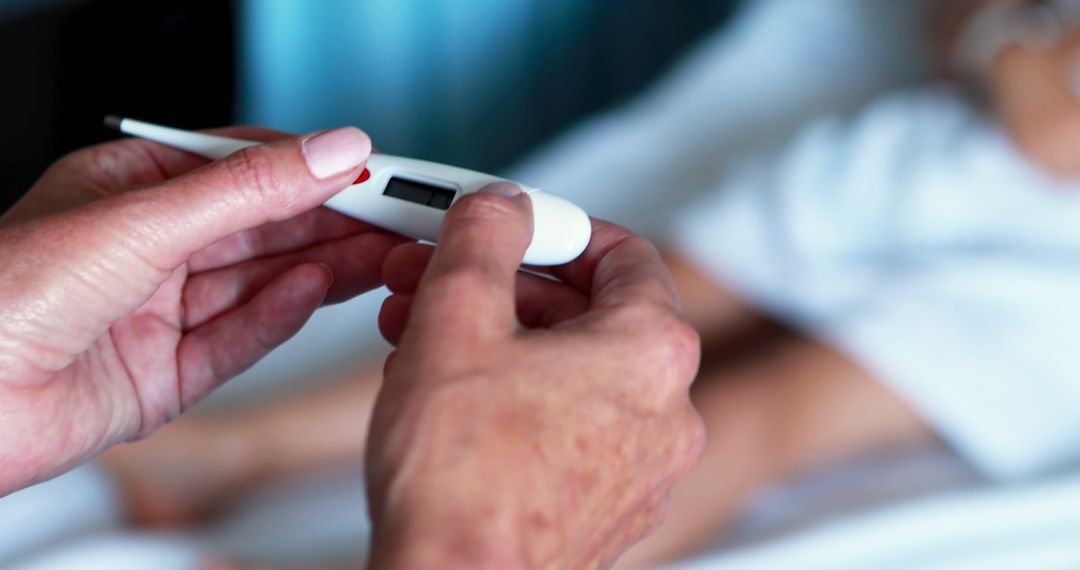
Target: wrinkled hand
<point>134,279</point>
<point>1035,99</point>
<point>542,431</point>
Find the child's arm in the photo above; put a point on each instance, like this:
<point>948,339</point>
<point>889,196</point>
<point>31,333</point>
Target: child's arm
<point>786,406</point>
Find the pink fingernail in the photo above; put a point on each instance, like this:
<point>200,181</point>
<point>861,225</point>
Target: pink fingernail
<point>506,189</point>
<point>333,152</point>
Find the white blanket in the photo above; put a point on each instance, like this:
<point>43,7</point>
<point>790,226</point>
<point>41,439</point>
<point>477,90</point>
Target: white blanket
<point>920,242</point>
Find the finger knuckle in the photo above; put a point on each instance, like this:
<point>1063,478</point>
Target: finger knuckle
<point>98,165</point>
<point>694,439</point>
<point>686,441</point>
<point>640,244</point>
<point>79,159</point>
<point>485,208</point>
<point>639,317</point>
<point>656,515</point>
<point>683,347</point>
<point>648,520</point>
<point>666,341</point>
<point>252,172</point>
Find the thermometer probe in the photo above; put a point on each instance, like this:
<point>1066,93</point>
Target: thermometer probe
<point>405,195</point>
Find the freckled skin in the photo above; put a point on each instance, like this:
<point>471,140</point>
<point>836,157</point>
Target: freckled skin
<point>135,279</point>
<point>550,443</point>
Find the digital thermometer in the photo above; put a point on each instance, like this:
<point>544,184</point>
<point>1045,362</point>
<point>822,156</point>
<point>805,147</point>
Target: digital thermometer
<point>405,195</point>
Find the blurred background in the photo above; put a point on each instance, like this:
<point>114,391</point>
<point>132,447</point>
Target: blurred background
<point>477,83</point>
<point>871,208</point>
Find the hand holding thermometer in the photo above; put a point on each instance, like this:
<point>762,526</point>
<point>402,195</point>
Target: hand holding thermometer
<point>407,196</point>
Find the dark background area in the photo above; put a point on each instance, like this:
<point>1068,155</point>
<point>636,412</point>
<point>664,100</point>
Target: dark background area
<point>68,64</point>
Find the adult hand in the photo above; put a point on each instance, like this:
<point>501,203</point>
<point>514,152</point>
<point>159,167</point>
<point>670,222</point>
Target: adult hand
<point>1036,98</point>
<point>134,279</point>
<point>527,423</point>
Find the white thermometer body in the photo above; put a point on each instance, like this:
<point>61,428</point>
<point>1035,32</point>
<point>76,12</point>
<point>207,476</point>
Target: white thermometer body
<point>408,196</point>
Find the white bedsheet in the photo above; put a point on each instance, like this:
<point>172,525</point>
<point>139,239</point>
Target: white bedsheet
<point>1035,526</point>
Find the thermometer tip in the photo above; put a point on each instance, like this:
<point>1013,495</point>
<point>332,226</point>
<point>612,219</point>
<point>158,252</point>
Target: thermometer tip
<point>113,122</point>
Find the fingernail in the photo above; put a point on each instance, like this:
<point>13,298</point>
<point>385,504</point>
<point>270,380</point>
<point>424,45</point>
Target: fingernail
<point>333,152</point>
<point>506,189</point>
<point>330,272</point>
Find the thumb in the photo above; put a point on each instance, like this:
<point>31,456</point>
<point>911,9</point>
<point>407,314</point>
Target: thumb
<point>468,287</point>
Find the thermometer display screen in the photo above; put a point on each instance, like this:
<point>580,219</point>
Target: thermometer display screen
<point>417,193</point>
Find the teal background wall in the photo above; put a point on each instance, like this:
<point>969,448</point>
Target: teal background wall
<point>470,82</point>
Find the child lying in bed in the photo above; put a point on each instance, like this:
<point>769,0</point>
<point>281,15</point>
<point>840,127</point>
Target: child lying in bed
<point>926,257</point>
<point>920,261</point>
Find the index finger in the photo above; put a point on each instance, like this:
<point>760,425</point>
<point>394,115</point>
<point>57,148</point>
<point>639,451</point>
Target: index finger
<point>618,268</point>
<point>141,161</point>
<point>170,162</point>
<point>115,167</point>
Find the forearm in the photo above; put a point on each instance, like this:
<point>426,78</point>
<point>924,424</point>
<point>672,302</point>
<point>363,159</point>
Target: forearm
<point>327,427</point>
<point>774,416</point>
<point>807,402</point>
<point>823,408</point>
